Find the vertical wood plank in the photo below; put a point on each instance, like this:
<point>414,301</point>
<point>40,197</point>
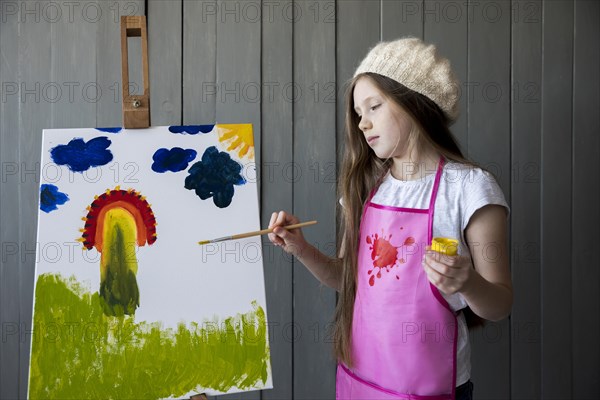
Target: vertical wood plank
<point>314,192</point>
<point>238,77</point>
<point>525,198</point>
<point>164,59</point>
<point>199,61</point>
<point>36,112</point>
<point>238,66</point>
<point>73,61</point>
<point>586,197</point>
<point>557,89</point>
<point>108,66</point>
<point>10,228</point>
<point>488,123</point>
<point>445,25</point>
<point>277,188</point>
<point>401,18</point>
<point>352,45</point>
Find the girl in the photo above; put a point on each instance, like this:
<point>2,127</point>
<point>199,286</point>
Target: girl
<point>400,317</point>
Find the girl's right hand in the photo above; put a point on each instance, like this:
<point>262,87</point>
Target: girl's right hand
<point>291,241</point>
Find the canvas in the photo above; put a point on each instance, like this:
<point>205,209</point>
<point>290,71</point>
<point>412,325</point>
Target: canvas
<point>127,304</point>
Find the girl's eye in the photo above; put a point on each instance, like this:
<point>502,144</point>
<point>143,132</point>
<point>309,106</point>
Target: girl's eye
<point>373,108</point>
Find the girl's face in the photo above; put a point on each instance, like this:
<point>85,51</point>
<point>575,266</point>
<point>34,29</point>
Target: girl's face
<point>385,125</point>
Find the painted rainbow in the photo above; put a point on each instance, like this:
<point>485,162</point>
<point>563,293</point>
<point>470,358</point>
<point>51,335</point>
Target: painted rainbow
<point>129,200</point>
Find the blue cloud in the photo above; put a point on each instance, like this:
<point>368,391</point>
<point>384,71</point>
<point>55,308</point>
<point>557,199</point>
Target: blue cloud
<point>79,156</point>
<point>191,129</point>
<point>110,130</point>
<point>215,176</point>
<point>50,198</point>
<point>176,159</point>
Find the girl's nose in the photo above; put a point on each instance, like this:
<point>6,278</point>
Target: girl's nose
<point>364,124</point>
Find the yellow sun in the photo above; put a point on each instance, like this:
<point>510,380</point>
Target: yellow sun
<point>237,137</point>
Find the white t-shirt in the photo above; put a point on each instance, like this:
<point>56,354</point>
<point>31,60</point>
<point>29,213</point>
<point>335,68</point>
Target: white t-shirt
<point>462,191</point>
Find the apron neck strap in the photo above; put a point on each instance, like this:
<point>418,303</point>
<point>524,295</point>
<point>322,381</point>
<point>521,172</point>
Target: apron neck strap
<point>436,186</point>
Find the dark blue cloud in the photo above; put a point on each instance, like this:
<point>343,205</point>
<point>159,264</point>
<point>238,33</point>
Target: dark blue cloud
<point>191,129</point>
<point>50,198</point>
<point>110,130</point>
<point>79,156</point>
<point>176,159</point>
<point>215,176</point>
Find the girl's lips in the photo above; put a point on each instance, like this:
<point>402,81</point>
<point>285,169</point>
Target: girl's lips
<point>371,139</point>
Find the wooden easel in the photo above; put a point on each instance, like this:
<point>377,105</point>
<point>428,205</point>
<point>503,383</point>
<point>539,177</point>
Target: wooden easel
<point>136,109</point>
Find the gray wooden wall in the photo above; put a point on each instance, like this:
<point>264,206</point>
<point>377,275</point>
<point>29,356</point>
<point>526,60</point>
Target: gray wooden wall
<point>530,113</point>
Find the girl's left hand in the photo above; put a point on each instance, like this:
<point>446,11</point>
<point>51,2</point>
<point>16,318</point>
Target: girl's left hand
<point>450,274</point>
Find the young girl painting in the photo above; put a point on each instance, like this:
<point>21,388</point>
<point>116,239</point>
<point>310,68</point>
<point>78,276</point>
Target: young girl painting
<point>400,324</point>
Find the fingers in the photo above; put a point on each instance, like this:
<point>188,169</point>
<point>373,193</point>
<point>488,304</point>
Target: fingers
<point>443,265</point>
<point>281,217</point>
<point>450,261</point>
<point>436,268</point>
<point>277,221</point>
<point>272,220</point>
<point>437,274</point>
<point>448,273</point>
<point>284,218</point>
<point>274,238</point>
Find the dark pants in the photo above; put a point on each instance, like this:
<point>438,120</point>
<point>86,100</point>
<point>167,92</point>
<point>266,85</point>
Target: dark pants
<point>465,391</point>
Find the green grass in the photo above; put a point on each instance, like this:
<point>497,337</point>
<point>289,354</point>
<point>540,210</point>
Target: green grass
<point>78,352</point>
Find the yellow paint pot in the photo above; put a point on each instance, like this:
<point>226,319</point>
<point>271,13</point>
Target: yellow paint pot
<point>445,246</point>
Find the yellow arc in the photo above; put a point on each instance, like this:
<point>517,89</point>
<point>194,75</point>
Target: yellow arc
<point>121,220</point>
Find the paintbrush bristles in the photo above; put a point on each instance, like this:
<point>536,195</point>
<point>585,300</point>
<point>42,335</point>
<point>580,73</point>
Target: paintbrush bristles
<point>257,233</point>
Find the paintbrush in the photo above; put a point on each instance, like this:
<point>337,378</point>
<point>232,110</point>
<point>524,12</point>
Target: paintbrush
<point>256,233</point>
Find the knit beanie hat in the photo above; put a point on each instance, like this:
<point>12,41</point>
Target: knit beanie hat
<point>417,66</point>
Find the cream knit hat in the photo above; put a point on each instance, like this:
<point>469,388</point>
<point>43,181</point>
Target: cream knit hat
<point>417,66</point>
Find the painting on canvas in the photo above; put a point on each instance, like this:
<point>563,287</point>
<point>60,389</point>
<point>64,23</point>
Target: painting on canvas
<point>127,304</point>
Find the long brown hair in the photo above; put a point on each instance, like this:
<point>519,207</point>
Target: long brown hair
<point>360,172</point>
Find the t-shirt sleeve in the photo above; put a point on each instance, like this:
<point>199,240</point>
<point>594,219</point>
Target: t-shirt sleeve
<point>479,190</point>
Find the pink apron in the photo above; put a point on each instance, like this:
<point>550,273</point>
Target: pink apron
<point>403,332</point>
